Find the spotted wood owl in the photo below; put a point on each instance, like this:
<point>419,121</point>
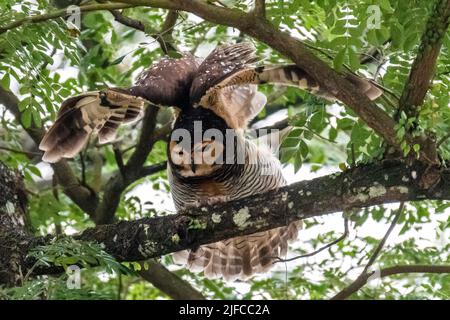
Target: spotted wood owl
<point>209,158</point>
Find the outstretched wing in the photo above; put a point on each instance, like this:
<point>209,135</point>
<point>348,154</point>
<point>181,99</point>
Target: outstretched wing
<point>223,62</point>
<point>168,81</point>
<point>230,95</point>
<point>92,112</point>
<point>239,104</point>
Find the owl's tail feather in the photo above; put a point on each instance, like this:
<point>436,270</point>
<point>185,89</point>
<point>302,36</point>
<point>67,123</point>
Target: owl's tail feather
<point>241,257</point>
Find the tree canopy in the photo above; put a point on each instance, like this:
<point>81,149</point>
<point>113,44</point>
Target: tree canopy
<point>368,178</point>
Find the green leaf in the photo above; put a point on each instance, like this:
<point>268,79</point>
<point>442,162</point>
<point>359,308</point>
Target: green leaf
<point>339,60</point>
<point>304,150</point>
<point>174,54</point>
<point>117,61</point>
<point>353,58</point>
<point>5,82</point>
<point>26,118</point>
<point>298,161</point>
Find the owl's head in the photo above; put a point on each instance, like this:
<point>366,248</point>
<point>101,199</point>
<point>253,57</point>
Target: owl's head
<point>201,144</point>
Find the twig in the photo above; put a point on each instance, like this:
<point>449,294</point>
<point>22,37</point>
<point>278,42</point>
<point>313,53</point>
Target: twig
<point>260,8</point>
<point>386,236</point>
<point>127,21</point>
<point>64,13</point>
<point>365,275</point>
<point>152,169</point>
<point>390,271</point>
<point>163,37</point>
<point>119,160</point>
<point>27,153</point>
<point>443,139</point>
<point>342,237</point>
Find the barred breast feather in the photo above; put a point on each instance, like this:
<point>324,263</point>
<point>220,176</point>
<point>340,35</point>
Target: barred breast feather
<point>241,257</point>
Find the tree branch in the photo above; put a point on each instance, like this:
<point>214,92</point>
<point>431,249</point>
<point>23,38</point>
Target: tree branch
<point>346,292</point>
<point>127,21</point>
<point>422,70</point>
<point>380,246</point>
<point>63,13</point>
<point>386,272</point>
<point>169,283</point>
<point>262,30</point>
<point>130,172</point>
<point>356,188</point>
<point>328,245</point>
<point>260,8</point>
<point>164,36</point>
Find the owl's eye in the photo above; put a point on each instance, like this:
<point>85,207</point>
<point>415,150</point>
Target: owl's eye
<point>180,153</point>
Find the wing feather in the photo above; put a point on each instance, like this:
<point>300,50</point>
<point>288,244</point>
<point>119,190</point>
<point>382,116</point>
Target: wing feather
<point>99,112</point>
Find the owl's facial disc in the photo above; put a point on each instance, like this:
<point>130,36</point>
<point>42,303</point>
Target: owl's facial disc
<point>199,160</point>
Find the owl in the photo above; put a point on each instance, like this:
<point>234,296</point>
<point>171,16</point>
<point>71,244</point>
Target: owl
<point>210,159</point>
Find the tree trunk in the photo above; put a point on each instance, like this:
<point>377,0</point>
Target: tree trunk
<point>14,227</point>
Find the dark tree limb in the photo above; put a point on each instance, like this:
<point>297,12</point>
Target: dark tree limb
<point>169,283</point>
<point>390,271</point>
<point>260,8</point>
<point>298,52</point>
<point>164,36</point>
<point>63,13</point>
<point>422,70</point>
<point>127,21</point>
<point>13,225</point>
<point>358,187</point>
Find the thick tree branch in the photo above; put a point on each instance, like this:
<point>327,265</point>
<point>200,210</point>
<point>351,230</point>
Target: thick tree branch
<point>262,30</point>
<point>169,283</point>
<point>386,272</point>
<point>63,13</point>
<point>13,225</point>
<point>359,187</point>
<point>422,70</point>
